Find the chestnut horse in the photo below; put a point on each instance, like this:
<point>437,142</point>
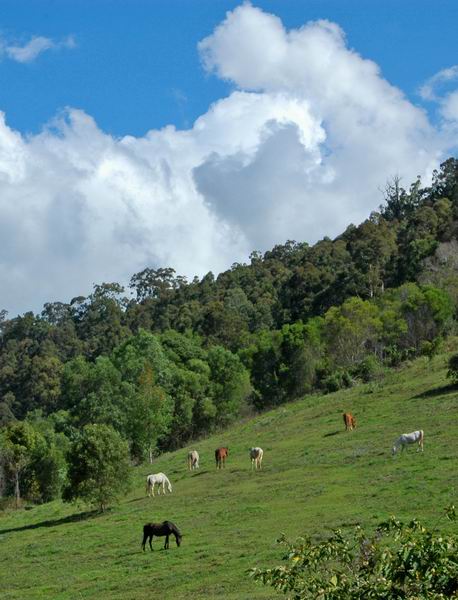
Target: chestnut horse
<point>166,528</point>
<point>220,457</point>
<point>350,421</point>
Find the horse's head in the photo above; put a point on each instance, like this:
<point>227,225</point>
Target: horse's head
<point>178,539</point>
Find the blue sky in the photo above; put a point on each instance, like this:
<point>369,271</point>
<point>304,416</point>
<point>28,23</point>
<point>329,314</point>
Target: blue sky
<point>136,65</point>
<point>187,134</point>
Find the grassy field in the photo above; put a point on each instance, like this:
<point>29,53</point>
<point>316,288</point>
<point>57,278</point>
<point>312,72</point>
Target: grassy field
<point>316,477</point>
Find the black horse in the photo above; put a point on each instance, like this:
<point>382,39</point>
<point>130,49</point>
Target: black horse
<point>160,529</point>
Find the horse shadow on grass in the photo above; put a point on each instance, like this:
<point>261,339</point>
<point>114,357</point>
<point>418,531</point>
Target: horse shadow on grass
<point>443,390</point>
<point>331,433</point>
<point>199,473</point>
<point>83,516</point>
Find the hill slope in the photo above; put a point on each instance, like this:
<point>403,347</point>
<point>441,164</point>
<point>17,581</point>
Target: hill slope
<point>316,476</point>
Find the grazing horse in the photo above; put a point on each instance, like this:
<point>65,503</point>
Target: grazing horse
<point>160,479</point>
<point>350,421</point>
<point>166,528</point>
<point>220,457</point>
<point>256,455</point>
<point>409,438</point>
<point>193,460</point>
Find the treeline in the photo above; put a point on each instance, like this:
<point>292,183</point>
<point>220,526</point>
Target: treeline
<point>178,359</point>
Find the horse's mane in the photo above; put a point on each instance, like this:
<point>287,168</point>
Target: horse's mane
<point>174,528</point>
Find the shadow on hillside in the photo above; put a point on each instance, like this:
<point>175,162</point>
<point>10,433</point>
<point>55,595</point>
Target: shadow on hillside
<point>444,390</point>
<point>199,473</point>
<point>83,516</point>
<point>136,499</point>
<point>331,433</point>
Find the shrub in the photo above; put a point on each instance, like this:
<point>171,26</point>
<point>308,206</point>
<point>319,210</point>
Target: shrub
<point>453,368</point>
<point>401,560</point>
<point>368,369</point>
<point>98,466</point>
<point>337,380</point>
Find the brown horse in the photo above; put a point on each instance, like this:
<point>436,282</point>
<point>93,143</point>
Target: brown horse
<point>220,457</point>
<point>350,421</point>
<point>166,528</point>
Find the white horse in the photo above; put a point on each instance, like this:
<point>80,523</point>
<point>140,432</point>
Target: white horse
<point>160,479</point>
<point>409,438</point>
<point>193,460</point>
<point>256,455</point>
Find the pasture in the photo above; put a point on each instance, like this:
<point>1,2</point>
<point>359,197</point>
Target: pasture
<point>315,476</point>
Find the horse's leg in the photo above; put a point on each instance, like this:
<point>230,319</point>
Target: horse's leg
<point>145,537</point>
<point>166,545</point>
<point>151,542</point>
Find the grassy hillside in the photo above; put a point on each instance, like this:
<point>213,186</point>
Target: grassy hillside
<point>316,476</point>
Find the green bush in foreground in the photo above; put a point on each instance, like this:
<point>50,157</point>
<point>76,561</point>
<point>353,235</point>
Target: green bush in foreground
<point>401,560</point>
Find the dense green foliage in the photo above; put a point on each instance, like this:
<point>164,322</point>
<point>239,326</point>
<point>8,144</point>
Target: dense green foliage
<point>400,560</point>
<point>316,477</point>
<point>98,466</point>
<point>180,359</point>
<point>453,368</point>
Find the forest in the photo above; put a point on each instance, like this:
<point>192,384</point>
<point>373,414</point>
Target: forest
<point>169,360</point>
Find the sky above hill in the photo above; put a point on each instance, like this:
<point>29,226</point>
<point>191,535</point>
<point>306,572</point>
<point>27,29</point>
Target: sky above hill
<point>189,133</point>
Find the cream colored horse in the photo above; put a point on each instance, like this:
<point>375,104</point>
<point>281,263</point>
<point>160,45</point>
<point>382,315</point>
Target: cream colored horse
<point>193,460</point>
<point>256,455</point>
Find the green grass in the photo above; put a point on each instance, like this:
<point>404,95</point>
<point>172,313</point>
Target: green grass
<point>315,477</point>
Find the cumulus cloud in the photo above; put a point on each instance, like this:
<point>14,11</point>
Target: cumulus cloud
<point>36,46</point>
<point>437,89</point>
<point>428,90</point>
<point>297,151</point>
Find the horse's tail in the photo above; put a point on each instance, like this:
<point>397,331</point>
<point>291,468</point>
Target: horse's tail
<point>169,485</point>
<point>147,485</point>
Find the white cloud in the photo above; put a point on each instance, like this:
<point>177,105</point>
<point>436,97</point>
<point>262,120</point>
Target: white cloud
<point>449,107</point>
<point>437,89</point>
<point>298,151</point>
<point>428,90</point>
<point>36,46</point>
